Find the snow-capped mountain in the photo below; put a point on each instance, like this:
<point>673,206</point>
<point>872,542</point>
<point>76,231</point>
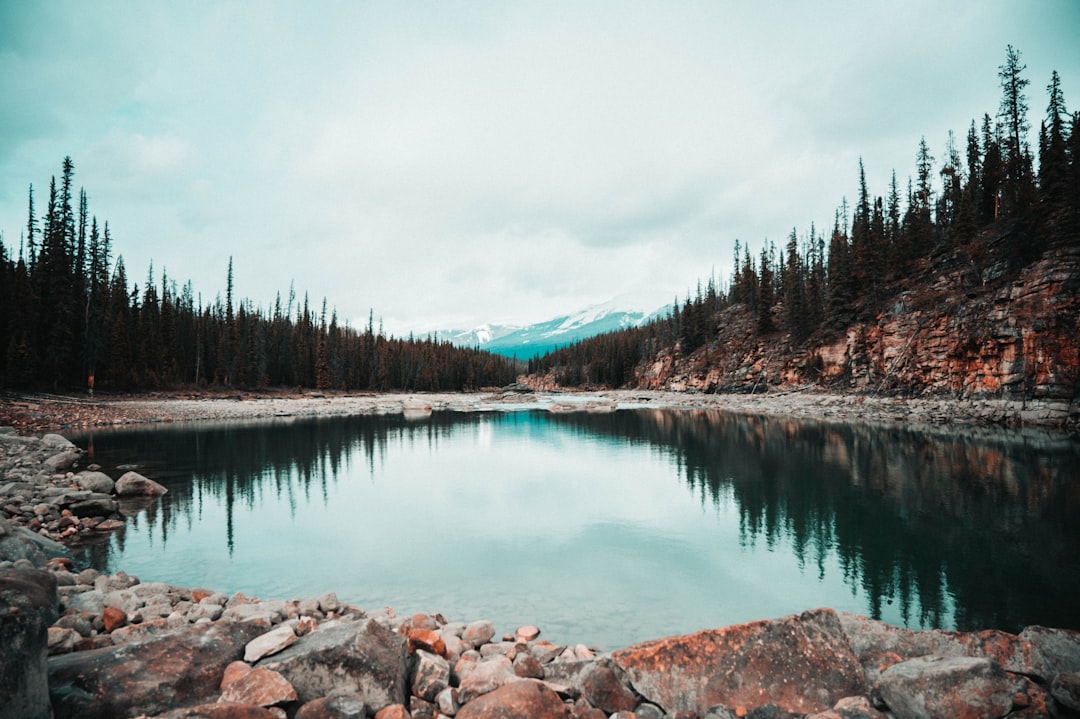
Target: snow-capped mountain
<point>543,337</point>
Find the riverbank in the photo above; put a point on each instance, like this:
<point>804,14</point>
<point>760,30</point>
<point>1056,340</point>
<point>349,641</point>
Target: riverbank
<point>41,413</point>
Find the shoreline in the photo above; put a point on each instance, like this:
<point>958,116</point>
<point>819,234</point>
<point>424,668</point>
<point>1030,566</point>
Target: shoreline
<point>38,413</point>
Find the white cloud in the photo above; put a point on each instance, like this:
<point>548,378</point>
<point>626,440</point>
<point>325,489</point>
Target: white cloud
<point>461,162</point>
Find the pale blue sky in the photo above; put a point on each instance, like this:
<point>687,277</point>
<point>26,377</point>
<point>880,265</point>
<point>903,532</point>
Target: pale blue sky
<point>450,163</point>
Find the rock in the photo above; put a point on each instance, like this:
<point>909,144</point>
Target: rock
<point>802,663</point>
<point>447,701</point>
<point>478,633</point>
<point>421,709</point>
<point>601,687</point>
<point>361,657</point>
<point>1057,650</point>
<point>527,666</point>
<point>61,640</point>
<point>270,643</point>
<point>428,640</point>
<point>871,639</point>
<point>133,484</point>
<point>114,618</point>
<point>430,675</point>
<point>95,482</point>
<point>850,708</point>
<point>28,605</point>
<point>519,699</point>
<point>220,711</point>
<point>526,633</point>
<point>932,687</point>
<point>338,706</point>
<point>1066,689</point>
<point>261,687</point>
<point>18,542</point>
<point>485,677</point>
<point>153,676</point>
<point>63,460</point>
<point>97,505</point>
<point>234,671</point>
<point>393,711</point>
<point>328,603</point>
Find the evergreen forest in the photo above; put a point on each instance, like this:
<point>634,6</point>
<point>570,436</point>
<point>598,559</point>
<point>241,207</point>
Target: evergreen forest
<point>983,204</point>
<point>70,320</point>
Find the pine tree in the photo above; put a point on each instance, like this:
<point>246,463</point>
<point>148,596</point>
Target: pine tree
<point>766,295</point>
<point>1053,150</point>
<point>1013,113</point>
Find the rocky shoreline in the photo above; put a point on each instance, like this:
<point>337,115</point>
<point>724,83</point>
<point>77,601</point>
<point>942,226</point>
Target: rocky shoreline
<point>40,413</point>
<point>80,644</point>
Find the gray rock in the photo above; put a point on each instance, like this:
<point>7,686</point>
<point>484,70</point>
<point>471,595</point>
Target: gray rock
<point>1066,689</point>
<point>362,657</point>
<point>1057,650</point>
<point>61,640</point>
<point>133,484</point>
<point>17,542</point>
<point>337,706</point>
<point>95,482</point>
<point>430,675</point>
<point>484,677</point>
<point>478,633</point>
<point>62,460</point>
<point>28,605</point>
<point>270,643</point>
<point>56,441</point>
<point>91,602</point>
<point>447,701</point>
<point>932,687</point>
<point>328,603</point>
<point>123,599</point>
<point>150,677</point>
<point>97,505</point>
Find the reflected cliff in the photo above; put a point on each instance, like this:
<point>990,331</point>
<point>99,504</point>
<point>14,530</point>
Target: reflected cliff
<point>946,529</point>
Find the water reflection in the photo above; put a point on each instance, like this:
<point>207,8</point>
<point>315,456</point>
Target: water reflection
<point>578,520</point>
<point>972,529</point>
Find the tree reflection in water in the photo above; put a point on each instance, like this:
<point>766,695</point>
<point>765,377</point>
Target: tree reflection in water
<point>972,529</point>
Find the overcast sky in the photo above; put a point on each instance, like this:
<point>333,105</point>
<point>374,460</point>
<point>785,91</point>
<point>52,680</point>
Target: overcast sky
<point>450,163</point>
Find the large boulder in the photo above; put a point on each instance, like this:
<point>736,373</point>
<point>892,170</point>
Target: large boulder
<point>133,484</point>
<point>28,605</point>
<point>874,642</point>
<point>95,482</point>
<point>801,663</point>
<point>960,687</point>
<point>524,698</point>
<point>364,658</point>
<point>1057,650</point>
<point>18,542</point>
<point>179,669</point>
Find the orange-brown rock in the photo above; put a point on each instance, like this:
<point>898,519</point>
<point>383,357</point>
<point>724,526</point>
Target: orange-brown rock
<point>261,687</point>
<point>801,663</point>
<point>234,671</point>
<point>114,618</point>
<point>426,639</point>
<point>393,711</point>
<point>522,698</point>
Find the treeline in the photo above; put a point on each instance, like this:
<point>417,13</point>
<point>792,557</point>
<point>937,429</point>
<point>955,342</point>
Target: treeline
<point>69,319</point>
<point>818,284</point>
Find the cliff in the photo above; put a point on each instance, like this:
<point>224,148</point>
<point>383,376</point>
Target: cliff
<point>960,326</point>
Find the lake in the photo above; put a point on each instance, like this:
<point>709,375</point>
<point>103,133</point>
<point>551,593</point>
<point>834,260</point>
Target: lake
<point>610,528</point>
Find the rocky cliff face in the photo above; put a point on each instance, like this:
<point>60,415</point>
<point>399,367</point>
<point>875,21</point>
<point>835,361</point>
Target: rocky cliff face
<point>962,333</point>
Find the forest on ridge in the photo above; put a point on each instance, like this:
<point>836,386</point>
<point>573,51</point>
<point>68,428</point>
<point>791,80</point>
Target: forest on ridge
<point>982,205</point>
<point>69,318</point>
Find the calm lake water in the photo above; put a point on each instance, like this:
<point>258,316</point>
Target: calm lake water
<point>611,528</point>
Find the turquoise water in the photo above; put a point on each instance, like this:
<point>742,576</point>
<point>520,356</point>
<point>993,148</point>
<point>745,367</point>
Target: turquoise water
<point>611,528</point>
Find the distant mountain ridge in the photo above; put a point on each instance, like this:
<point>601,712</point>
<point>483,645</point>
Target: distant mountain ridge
<point>524,342</point>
